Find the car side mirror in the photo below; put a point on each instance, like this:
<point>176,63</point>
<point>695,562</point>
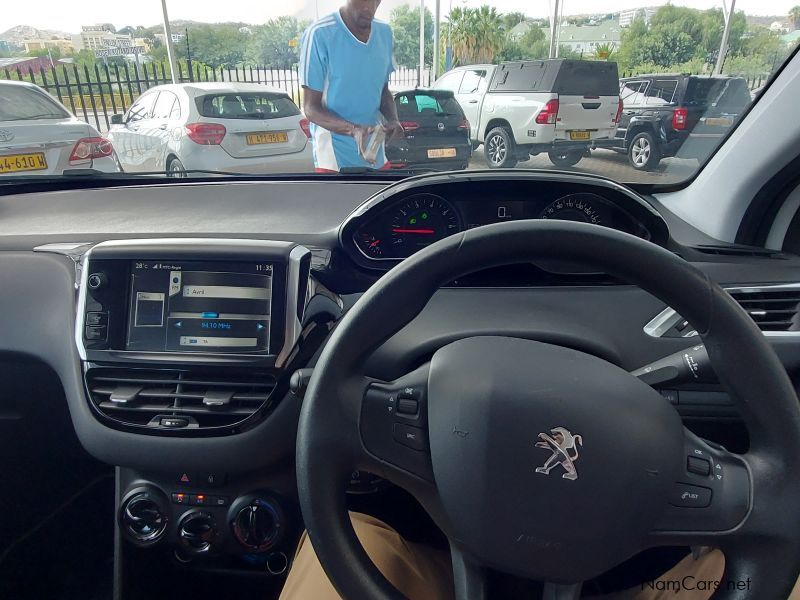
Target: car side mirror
<point>116,119</point>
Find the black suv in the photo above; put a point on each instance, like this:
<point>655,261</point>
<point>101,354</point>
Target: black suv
<point>677,115</point>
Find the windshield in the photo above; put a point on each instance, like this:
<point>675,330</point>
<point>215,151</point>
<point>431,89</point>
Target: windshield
<point>639,92</point>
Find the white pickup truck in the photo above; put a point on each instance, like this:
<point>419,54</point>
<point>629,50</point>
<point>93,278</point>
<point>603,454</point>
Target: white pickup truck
<point>520,109</point>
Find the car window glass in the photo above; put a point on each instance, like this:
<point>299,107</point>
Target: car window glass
<point>163,106</point>
<point>661,91</point>
<point>632,92</point>
<point>472,82</point>
<point>420,104</point>
<point>451,81</point>
<point>247,106</point>
<point>18,103</point>
<point>141,109</point>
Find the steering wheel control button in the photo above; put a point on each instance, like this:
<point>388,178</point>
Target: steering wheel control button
<point>698,466</point>
<point>407,406</point>
<point>690,496</point>
<point>96,319</point>
<point>413,437</point>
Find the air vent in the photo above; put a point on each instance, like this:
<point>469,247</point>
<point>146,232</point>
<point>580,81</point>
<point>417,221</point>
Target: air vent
<point>738,251</point>
<point>178,400</point>
<point>773,309</point>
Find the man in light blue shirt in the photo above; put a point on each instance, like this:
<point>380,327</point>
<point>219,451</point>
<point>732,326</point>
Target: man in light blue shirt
<point>345,63</point>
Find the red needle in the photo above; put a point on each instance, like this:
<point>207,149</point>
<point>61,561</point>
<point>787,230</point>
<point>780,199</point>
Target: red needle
<point>420,231</point>
<point>374,243</point>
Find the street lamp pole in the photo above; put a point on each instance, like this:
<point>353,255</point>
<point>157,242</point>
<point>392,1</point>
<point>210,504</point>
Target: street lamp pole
<point>723,47</point>
<point>554,32</point>
<point>436,41</point>
<point>421,42</point>
<point>173,65</point>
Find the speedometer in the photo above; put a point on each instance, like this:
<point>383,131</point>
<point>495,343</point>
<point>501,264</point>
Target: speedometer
<point>420,221</point>
<point>575,207</point>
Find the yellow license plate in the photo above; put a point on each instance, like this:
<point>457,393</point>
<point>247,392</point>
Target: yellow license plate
<point>579,135</point>
<point>14,163</point>
<point>719,122</point>
<point>442,153</point>
<point>254,139</point>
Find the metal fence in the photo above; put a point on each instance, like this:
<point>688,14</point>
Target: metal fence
<point>94,94</point>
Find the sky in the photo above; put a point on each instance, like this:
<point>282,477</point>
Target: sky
<point>63,16</point>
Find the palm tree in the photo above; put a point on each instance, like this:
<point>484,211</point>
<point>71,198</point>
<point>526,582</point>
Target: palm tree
<point>794,17</point>
<point>476,34</point>
<point>604,51</point>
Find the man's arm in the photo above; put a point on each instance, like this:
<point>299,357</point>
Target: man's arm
<point>389,111</point>
<point>317,113</point>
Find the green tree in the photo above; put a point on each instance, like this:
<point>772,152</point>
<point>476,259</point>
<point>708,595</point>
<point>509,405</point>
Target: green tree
<point>215,45</point>
<point>277,43</point>
<point>477,34</point>
<point>794,16</point>
<point>405,27</point>
<point>54,52</point>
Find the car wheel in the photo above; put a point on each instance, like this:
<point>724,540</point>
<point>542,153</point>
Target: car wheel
<point>499,149</point>
<point>176,169</point>
<point>565,158</point>
<point>643,152</point>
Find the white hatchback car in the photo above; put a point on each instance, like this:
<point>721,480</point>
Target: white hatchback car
<point>220,127</point>
<point>39,136</point>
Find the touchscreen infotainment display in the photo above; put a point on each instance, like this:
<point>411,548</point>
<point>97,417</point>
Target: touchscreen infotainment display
<point>188,306</point>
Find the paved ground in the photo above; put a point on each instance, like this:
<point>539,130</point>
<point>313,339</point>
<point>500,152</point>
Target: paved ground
<point>609,164</point>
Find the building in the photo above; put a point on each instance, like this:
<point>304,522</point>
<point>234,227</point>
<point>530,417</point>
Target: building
<point>177,36</point>
<point>791,39</point>
<point>63,45</point>
<point>26,64</point>
<point>626,17</point>
<point>584,39</point>
<point>97,37</point>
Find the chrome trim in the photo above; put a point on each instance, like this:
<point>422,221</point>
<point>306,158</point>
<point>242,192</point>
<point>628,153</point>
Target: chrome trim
<point>668,317</point>
<point>74,251</point>
<point>293,326</point>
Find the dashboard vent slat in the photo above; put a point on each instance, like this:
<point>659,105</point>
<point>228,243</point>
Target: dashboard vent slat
<point>139,396</point>
<point>773,309</point>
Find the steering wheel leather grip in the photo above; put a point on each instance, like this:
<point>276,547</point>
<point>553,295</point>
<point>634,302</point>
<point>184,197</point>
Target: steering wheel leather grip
<point>497,416</point>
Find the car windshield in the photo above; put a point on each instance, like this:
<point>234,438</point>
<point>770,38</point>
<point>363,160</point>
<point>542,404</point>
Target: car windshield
<point>638,92</point>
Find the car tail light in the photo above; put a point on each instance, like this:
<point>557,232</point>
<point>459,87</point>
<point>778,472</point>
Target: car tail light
<point>548,115</point>
<point>464,124</point>
<point>679,118</point>
<point>206,134</point>
<point>90,148</point>
<point>409,126</point>
<point>619,112</point>
<point>305,125</point>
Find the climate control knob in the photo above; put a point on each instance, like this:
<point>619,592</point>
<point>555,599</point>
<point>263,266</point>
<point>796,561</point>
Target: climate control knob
<point>197,532</point>
<point>143,518</point>
<point>258,523</point>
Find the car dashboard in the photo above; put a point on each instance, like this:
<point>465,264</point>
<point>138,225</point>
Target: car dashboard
<point>181,320</point>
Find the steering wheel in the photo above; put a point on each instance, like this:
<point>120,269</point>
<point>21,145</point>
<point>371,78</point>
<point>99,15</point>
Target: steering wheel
<point>540,460</point>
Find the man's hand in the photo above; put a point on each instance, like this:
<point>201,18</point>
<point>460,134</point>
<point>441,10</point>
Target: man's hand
<point>393,129</point>
<point>361,135</point>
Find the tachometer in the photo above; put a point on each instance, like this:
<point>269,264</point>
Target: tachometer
<point>575,207</point>
<point>420,221</point>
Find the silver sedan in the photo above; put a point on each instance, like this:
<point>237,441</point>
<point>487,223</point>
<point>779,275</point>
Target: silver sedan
<point>221,127</point>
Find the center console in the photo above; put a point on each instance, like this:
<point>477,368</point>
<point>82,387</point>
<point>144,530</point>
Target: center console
<point>187,347</point>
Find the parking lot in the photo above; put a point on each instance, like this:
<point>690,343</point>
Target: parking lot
<point>608,164</point>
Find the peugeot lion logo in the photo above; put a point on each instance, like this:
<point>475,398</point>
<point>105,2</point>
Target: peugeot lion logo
<point>561,442</point>
<point>6,135</point>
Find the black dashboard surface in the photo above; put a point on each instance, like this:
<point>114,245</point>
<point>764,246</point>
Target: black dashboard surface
<point>37,299</point>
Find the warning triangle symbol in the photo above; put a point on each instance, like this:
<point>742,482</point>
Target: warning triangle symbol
<point>185,478</point>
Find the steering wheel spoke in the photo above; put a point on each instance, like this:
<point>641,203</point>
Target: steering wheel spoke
<point>469,577</point>
<point>711,495</point>
<point>394,427</point>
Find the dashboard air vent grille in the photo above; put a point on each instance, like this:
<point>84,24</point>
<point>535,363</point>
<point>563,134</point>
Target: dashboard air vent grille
<point>773,309</point>
<point>178,399</point>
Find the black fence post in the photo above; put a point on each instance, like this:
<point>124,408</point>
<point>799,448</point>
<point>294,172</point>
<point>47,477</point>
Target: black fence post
<point>138,81</point>
<point>146,79</point>
<point>80,91</point>
<point>102,97</point>
<point>110,90</point>
<point>68,89</point>
<point>91,95</point>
